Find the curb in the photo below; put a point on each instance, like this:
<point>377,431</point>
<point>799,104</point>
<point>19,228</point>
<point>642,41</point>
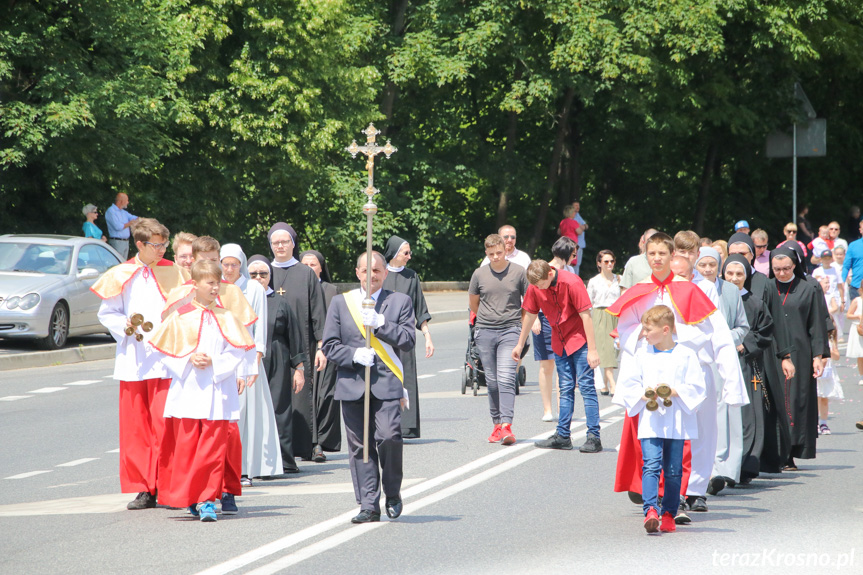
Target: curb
<point>58,357</point>
<point>108,351</point>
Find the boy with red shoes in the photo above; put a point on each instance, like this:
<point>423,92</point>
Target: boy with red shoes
<point>667,414</point>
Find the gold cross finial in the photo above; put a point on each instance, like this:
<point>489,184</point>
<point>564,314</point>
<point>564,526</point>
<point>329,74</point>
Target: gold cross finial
<point>371,149</point>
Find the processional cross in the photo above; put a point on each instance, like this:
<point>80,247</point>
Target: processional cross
<point>370,149</point>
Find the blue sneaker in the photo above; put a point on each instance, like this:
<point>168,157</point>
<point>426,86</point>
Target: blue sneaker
<point>193,510</point>
<point>207,511</point>
<point>229,506</point>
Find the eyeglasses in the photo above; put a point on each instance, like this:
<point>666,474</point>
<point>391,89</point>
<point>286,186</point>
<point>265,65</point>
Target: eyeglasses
<point>157,247</point>
<point>608,261</point>
<point>282,243</point>
<point>783,270</point>
<point>761,247</point>
<point>509,237</point>
<point>258,274</point>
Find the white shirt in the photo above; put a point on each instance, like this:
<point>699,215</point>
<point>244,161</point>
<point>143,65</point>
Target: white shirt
<point>831,274</point>
<point>516,257</point>
<point>679,368</point>
<point>209,393</point>
<point>134,360</point>
<point>603,294</point>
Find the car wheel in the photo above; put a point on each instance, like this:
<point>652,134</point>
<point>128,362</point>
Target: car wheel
<point>58,328</point>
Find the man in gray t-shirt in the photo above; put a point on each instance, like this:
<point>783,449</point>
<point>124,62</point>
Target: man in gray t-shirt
<point>495,295</point>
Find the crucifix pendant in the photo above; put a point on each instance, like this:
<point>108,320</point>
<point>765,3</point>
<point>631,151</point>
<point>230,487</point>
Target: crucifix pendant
<point>755,382</point>
<point>280,291</point>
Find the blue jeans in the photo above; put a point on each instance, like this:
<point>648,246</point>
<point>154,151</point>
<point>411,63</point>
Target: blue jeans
<point>572,368</point>
<point>661,455</point>
<point>495,352</point>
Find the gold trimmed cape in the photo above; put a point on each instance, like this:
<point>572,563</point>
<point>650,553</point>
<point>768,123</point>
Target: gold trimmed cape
<point>180,334</point>
<point>112,282</point>
<point>230,297</point>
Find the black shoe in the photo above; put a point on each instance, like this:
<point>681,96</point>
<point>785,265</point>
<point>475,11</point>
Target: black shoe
<point>229,506</point>
<point>730,482</point>
<point>591,445</point>
<point>698,504</point>
<point>555,442</point>
<point>715,485</point>
<point>682,518</point>
<point>366,516</point>
<point>635,497</point>
<point>394,507</point>
<point>318,454</point>
<point>143,501</point>
<point>290,470</point>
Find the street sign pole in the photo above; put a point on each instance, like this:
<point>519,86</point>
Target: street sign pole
<point>794,175</point>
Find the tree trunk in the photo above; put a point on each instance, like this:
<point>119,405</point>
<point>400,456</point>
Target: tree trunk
<point>508,158</point>
<point>390,89</point>
<point>553,169</point>
<point>704,189</point>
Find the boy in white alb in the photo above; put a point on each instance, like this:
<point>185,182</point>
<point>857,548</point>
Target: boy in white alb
<point>664,424</point>
<point>202,345</point>
<point>139,286</point>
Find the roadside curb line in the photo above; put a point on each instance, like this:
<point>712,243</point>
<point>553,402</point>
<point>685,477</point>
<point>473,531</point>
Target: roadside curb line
<point>108,351</point>
<point>58,357</point>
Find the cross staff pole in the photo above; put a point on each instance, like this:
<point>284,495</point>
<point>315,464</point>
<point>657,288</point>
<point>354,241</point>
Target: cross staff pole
<point>370,149</point>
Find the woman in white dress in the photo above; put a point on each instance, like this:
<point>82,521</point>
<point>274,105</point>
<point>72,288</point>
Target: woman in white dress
<point>262,456</point>
<point>855,342</point>
<point>604,289</point>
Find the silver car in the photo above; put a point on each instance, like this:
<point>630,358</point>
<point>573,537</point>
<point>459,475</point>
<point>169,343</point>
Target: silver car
<point>45,286</point>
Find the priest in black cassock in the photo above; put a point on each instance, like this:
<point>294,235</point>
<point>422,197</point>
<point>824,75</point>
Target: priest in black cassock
<point>801,336</point>
<point>765,424</point>
<point>328,432</point>
<point>284,360</point>
<point>300,288</point>
<point>405,280</point>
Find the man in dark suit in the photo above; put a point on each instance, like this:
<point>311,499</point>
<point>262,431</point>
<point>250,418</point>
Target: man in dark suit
<point>393,326</point>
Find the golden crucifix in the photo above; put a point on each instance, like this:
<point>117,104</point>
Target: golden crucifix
<point>370,150</point>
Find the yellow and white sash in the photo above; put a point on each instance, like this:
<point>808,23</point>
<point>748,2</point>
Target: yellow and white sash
<point>354,301</point>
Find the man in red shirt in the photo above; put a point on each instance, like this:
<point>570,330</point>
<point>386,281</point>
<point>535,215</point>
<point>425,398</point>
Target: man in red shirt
<point>563,299</point>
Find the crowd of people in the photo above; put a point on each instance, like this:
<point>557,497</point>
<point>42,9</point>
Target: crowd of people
<point>233,368</point>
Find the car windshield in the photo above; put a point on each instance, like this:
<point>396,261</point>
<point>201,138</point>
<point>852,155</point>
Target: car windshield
<point>38,258</point>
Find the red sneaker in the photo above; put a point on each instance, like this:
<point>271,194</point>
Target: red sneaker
<point>496,434</point>
<point>651,521</point>
<point>668,525</point>
<point>507,437</point>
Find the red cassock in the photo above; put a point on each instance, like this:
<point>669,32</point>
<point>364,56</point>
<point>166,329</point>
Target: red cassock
<point>692,306</point>
<point>233,461</point>
<point>192,470</point>
<point>142,426</point>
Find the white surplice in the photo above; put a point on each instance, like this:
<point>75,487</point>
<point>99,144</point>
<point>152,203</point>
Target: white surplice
<point>679,368</point>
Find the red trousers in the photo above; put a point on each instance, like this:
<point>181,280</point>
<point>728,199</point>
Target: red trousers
<point>142,425</point>
<point>630,462</point>
<point>193,470</point>
<point>233,461</point>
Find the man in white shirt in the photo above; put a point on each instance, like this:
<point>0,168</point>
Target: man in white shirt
<point>512,254</point>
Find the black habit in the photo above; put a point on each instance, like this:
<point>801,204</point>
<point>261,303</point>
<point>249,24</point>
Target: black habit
<point>284,353</point>
<point>329,418</point>
<point>407,282</point>
<point>299,287</point>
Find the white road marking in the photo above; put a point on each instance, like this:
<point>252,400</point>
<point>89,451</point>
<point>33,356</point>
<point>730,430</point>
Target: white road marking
<point>14,397</point>
<point>29,474</point>
<point>451,370</point>
<point>46,390</point>
<point>339,521</point>
<point>353,532</point>
<point>77,462</point>
<point>83,382</point>
<point>118,449</point>
<point>107,377</point>
<point>426,376</point>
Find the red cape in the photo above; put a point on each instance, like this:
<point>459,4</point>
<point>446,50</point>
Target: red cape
<point>630,464</point>
<point>691,304</point>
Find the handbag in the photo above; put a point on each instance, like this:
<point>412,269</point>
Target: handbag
<point>860,329</point>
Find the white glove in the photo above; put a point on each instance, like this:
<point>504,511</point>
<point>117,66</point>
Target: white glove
<point>372,318</point>
<point>364,356</point>
<point>405,400</point>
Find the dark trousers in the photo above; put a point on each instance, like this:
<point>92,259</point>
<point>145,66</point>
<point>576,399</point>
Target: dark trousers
<point>385,450</point>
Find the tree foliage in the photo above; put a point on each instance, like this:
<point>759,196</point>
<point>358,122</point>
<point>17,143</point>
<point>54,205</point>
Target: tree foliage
<point>224,116</point>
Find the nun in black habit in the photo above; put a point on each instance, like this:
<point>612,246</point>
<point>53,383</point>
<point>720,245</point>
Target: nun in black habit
<point>757,280</point>
<point>283,362</point>
<point>404,280</point>
<point>300,288</point>
<point>765,425</point>
<point>799,314</point>
<point>328,430</point>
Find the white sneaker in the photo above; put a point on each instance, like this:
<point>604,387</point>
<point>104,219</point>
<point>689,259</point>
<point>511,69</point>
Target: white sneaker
<point>860,382</point>
<point>550,417</point>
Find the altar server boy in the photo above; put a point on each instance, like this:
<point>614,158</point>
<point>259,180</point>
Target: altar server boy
<point>137,289</point>
<point>664,424</point>
<point>202,346</point>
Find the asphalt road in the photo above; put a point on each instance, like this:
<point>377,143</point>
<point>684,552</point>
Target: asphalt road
<point>470,506</point>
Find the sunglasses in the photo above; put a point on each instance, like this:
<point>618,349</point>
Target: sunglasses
<point>761,246</point>
<point>608,261</point>
<point>509,237</point>
<point>258,274</point>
